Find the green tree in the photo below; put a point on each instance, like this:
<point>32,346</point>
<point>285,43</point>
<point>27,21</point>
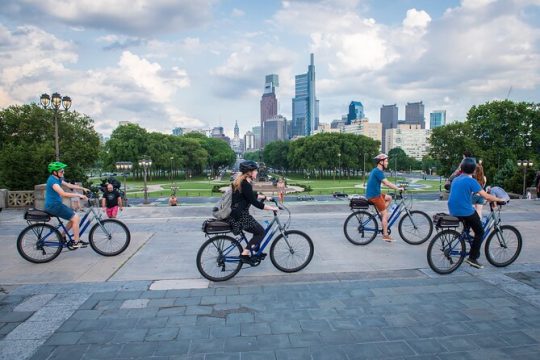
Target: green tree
<point>27,145</point>
<point>275,155</point>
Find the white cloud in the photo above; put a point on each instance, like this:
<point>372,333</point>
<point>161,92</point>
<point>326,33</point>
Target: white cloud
<point>416,19</point>
<point>237,13</point>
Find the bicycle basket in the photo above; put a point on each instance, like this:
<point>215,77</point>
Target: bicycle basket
<point>359,203</point>
<point>442,220</point>
<point>214,226</point>
<point>36,215</point>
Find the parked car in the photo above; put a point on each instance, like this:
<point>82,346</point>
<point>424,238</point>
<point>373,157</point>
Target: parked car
<point>338,194</point>
<point>305,198</point>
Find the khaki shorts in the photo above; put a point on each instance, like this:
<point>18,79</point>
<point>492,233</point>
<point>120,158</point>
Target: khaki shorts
<point>379,202</point>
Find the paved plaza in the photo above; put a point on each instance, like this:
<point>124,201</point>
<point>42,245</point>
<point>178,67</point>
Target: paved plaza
<point>352,302</point>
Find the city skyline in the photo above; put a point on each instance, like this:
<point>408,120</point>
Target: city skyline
<point>165,65</point>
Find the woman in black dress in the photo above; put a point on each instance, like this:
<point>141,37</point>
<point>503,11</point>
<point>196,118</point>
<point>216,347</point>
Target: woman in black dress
<point>243,197</point>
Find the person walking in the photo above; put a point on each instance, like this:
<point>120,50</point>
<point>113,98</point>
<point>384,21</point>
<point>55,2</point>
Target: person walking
<point>281,189</point>
<point>111,201</point>
<point>373,192</point>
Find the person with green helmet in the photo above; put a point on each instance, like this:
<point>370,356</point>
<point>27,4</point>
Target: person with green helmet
<point>53,200</point>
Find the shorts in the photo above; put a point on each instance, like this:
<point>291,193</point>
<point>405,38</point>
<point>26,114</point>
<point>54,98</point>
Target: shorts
<point>379,202</point>
<point>112,212</point>
<point>61,210</point>
<point>478,200</point>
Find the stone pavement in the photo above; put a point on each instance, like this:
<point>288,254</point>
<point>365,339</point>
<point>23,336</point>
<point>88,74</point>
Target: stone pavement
<point>377,301</point>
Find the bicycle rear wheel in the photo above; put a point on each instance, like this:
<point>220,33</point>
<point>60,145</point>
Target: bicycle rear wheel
<point>109,237</point>
<point>218,258</point>
<point>361,227</point>
<point>39,243</point>
<point>503,246</point>
<point>416,228</point>
<point>292,252</point>
<point>446,252</point>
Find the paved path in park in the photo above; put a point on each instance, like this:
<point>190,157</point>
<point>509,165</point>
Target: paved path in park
<point>377,301</point>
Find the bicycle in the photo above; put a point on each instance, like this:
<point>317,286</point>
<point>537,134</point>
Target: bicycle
<point>502,247</point>
<point>41,242</point>
<point>361,227</point>
<point>218,258</point>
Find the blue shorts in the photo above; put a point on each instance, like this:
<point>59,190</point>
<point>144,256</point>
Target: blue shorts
<point>478,200</point>
<point>60,210</point>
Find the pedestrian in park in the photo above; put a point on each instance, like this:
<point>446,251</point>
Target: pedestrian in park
<point>243,197</point>
<point>173,201</point>
<point>111,201</point>
<point>460,205</point>
<point>281,189</point>
<point>374,194</point>
<point>53,201</point>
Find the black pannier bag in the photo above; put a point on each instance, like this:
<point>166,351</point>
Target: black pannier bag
<point>36,215</point>
<point>359,203</point>
<point>214,226</point>
<point>443,220</point>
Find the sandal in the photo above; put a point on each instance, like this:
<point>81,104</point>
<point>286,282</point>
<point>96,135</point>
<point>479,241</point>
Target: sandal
<point>387,238</point>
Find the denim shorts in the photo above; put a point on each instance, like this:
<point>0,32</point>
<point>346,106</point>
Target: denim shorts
<point>477,199</point>
<point>60,210</point>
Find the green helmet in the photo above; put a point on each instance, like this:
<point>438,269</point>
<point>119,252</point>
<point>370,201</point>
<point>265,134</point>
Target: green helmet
<point>55,166</point>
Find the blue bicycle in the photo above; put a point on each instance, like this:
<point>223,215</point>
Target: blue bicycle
<point>41,242</point>
<point>361,227</point>
<point>218,258</point>
<point>448,248</point>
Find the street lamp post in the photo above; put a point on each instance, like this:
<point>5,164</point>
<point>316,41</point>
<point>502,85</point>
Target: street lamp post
<point>524,164</point>
<point>55,101</point>
<point>145,163</point>
<point>339,166</point>
<point>364,171</point>
<point>124,166</point>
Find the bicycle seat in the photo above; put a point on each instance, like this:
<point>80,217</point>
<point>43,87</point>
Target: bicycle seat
<point>37,215</point>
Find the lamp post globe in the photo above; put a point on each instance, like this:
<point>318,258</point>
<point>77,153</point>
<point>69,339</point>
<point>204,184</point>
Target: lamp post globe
<point>54,102</point>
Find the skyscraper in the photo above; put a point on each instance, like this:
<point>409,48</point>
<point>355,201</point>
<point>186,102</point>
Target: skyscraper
<point>356,112</point>
<point>414,114</point>
<point>269,103</point>
<point>305,106</point>
<point>437,118</point>
<point>389,120</point>
<point>275,129</point>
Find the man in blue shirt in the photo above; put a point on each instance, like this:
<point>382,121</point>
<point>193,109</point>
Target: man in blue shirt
<point>53,200</point>
<point>460,205</point>
<point>373,192</point>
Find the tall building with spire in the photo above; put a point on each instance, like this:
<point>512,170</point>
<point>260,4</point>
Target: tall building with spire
<point>269,104</point>
<point>305,106</point>
<point>237,143</point>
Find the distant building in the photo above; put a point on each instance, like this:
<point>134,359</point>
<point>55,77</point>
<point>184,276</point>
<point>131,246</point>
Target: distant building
<point>218,133</point>
<point>275,129</point>
<point>327,128</point>
<point>237,144</point>
<point>389,120</point>
<point>356,112</point>
<point>178,131</point>
<point>414,114</point>
<point>437,118</point>
<point>305,106</point>
<point>338,124</point>
<point>269,103</point>
<point>249,141</point>
<point>364,127</point>
<point>257,133</point>
<point>411,138</point>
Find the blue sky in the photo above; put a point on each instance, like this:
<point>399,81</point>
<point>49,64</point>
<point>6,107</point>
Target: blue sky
<point>165,63</point>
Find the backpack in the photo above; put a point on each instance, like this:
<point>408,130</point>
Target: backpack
<point>448,182</point>
<point>222,210</point>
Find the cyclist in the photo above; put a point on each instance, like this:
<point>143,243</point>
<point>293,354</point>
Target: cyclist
<point>374,195</point>
<point>53,200</point>
<point>460,205</point>
<point>242,198</point>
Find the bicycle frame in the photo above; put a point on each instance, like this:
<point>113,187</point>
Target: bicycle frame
<point>395,215</point>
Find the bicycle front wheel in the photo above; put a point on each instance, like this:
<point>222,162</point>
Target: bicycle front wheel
<point>446,252</point>
<point>109,237</point>
<point>415,228</point>
<point>503,246</point>
<point>291,251</point>
<point>218,258</point>
<point>39,243</point>
<point>361,228</point>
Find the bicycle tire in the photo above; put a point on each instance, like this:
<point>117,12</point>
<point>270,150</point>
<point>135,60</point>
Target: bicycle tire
<point>101,242</point>
<point>493,246</point>
<point>414,228</point>
<point>217,261</point>
<point>291,245</point>
<point>32,242</point>
<point>361,223</point>
<point>445,238</point>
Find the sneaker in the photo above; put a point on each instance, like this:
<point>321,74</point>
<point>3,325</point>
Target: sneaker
<point>387,238</point>
<point>246,259</point>
<point>474,263</point>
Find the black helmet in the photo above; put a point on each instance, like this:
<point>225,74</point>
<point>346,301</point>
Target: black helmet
<point>468,165</point>
<point>248,165</point>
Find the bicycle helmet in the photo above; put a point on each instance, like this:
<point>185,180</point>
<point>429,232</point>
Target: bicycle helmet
<point>468,165</point>
<point>247,166</point>
<point>56,166</point>
<point>380,157</point>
